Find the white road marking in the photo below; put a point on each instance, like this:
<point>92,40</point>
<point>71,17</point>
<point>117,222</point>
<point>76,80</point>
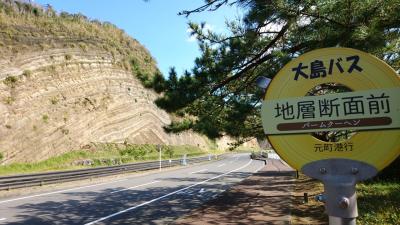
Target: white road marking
<point>223,164</point>
<point>260,168</point>
<point>1,219</point>
<point>164,196</point>
<point>202,190</point>
<point>153,182</point>
<point>199,171</point>
<point>273,156</point>
<point>60,191</point>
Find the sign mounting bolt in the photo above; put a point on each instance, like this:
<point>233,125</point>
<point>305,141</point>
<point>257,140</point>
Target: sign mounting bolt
<point>322,170</point>
<point>344,203</point>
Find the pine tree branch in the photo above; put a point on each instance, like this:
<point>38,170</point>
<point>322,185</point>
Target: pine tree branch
<point>318,16</point>
<point>259,58</point>
<point>218,4</point>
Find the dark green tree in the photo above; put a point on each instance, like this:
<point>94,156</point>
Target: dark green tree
<point>218,96</point>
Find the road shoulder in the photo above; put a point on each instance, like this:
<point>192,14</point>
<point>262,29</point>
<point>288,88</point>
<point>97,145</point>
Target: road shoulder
<point>263,198</point>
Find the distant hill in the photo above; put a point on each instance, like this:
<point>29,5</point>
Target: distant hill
<point>67,81</point>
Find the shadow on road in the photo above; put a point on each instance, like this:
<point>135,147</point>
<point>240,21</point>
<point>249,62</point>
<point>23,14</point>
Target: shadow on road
<point>84,207</point>
<point>264,198</point>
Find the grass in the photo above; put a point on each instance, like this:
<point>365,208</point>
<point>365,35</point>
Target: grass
<point>242,149</point>
<point>311,212</point>
<point>104,155</point>
<point>378,202</point>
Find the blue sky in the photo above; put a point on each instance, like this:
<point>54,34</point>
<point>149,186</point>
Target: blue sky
<point>154,23</point>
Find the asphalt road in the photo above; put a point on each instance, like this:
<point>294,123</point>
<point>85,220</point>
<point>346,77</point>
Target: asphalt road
<point>157,198</point>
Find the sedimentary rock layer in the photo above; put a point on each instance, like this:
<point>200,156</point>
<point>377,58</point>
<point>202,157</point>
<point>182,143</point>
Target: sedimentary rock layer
<point>57,100</point>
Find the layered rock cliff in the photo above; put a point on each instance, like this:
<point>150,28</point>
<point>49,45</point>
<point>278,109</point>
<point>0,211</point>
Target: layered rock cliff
<point>66,81</point>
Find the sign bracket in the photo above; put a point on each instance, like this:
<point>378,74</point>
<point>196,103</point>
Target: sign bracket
<point>339,177</point>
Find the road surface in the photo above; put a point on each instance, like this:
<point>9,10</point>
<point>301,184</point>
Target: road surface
<point>157,198</point>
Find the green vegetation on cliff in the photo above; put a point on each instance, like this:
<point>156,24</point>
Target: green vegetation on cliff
<point>103,155</point>
<point>26,27</point>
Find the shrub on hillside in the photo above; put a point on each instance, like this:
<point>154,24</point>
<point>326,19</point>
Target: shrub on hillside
<point>167,150</point>
<point>27,73</point>
<point>135,151</point>
<point>10,81</point>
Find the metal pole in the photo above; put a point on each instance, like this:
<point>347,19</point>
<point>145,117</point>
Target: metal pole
<point>333,220</point>
<point>159,150</point>
<point>339,177</point>
<point>184,160</point>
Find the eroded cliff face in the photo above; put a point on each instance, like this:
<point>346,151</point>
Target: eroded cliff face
<point>60,105</point>
<point>63,88</point>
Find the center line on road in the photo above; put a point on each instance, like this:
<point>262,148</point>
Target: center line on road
<point>223,164</point>
<point>153,182</point>
<point>199,171</point>
<point>164,196</point>
<point>1,219</point>
<point>61,191</point>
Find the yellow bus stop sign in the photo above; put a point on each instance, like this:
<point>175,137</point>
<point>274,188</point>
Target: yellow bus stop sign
<point>372,109</point>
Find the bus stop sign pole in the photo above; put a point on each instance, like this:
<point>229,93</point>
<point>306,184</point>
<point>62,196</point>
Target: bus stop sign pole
<point>339,177</point>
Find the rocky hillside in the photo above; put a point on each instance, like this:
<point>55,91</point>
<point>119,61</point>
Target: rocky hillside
<point>66,82</point>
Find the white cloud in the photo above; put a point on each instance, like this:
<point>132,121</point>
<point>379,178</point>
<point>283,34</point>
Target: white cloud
<point>303,21</point>
<point>192,38</point>
<point>271,27</point>
<point>208,27</point>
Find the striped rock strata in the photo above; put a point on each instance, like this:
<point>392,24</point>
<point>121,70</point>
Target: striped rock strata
<point>58,100</point>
